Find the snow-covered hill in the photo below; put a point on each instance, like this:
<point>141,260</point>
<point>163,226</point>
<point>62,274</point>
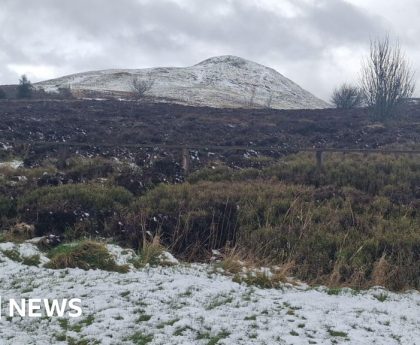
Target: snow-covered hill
<point>224,81</point>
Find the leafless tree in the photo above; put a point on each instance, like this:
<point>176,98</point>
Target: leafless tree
<point>141,86</point>
<point>387,79</point>
<point>347,97</point>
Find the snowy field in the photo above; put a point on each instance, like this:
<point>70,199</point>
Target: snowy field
<point>191,305</point>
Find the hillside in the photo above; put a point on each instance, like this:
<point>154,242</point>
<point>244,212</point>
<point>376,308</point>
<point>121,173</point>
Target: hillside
<point>222,82</point>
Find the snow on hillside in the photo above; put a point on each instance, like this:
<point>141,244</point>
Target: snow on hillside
<point>190,304</point>
<point>225,81</point>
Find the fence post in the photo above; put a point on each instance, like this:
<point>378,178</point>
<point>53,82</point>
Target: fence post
<point>185,161</point>
<point>319,159</point>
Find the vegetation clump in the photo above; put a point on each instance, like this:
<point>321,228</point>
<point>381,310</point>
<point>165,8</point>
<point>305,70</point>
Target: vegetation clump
<point>85,255</point>
<point>75,209</point>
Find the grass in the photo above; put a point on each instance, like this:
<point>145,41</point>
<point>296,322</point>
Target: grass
<point>85,209</point>
<point>251,318</point>
<point>260,279</point>
<point>12,254</point>
<point>231,264</point>
<point>355,222</point>
<point>150,254</point>
<point>167,323</point>
<point>180,331</point>
<point>85,255</point>
<point>219,301</point>
<point>334,234</point>
<point>144,318</point>
<point>382,297</point>
<point>335,333</point>
<point>140,338</point>
<point>215,339</point>
<point>334,291</point>
<point>33,260</point>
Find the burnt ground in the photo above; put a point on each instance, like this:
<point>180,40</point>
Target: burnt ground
<point>105,126</point>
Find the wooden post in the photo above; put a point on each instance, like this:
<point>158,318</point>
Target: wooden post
<point>319,159</point>
<point>185,161</point>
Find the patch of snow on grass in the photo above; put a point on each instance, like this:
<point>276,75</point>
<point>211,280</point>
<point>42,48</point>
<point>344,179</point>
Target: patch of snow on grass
<point>167,258</point>
<point>15,164</point>
<point>24,250</point>
<point>189,304</point>
<point>121,256</point>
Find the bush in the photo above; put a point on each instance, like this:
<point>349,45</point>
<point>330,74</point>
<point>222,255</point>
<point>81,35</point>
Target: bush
<point>24,89</point>
<point>82,169</point>
<point>347,97</point>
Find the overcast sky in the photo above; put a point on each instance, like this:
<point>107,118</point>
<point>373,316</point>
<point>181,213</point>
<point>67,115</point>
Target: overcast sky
<point>316,43</point>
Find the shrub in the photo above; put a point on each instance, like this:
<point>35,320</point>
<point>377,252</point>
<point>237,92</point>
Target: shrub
<point>25,88</point>
<point>81,169</point>
<point>347,97</point>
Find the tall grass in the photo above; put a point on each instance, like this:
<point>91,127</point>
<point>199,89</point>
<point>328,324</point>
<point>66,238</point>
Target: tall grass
<point>355,222</point>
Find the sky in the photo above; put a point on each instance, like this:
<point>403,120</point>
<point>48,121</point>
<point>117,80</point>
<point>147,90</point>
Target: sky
<point>319,44</point>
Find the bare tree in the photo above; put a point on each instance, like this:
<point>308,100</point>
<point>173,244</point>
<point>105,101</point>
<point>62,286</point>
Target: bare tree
<point>347,97</point>
<point>387,79</point>
<point>141,86</point>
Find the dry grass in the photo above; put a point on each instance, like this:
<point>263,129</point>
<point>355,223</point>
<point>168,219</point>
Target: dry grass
<point>333,235</point>
<point>150,253</point>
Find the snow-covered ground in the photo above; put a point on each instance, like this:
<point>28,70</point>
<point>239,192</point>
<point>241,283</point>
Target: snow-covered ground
<point>222,81</point>
<point>189,304</point>
<point>11,164</point>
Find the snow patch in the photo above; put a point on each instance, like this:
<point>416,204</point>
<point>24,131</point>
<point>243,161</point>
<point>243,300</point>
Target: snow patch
<point>15,164</point>
<point>121,256</point>
<point>190,304</point>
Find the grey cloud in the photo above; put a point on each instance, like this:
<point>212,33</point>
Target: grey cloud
<point>135,34</point>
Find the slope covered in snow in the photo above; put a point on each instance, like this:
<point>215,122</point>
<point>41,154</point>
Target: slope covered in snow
<point>224,81</point>
<point>193,305</point>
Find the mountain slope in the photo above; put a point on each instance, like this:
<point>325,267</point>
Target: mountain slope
<point>224,81</point>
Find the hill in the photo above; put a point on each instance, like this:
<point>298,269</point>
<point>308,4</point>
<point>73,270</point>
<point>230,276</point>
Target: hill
<point>221,82</point>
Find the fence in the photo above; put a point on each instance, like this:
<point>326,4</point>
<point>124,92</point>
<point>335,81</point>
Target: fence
<point>185,160</point>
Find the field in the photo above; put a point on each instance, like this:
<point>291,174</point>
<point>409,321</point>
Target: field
<point>123,123</point>
<point>254,221</point>
<point>192,304</point>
